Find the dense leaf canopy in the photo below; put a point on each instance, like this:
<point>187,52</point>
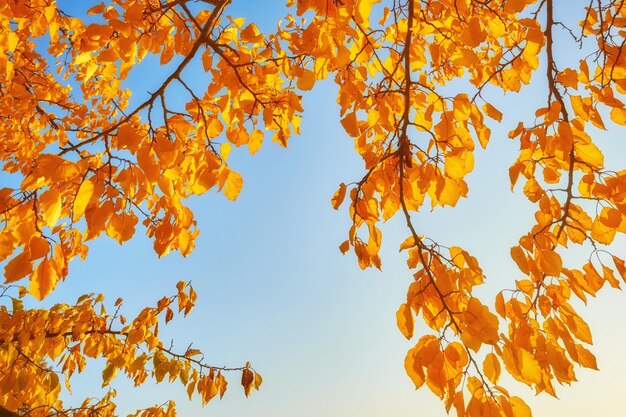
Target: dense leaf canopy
<point>414,82</point>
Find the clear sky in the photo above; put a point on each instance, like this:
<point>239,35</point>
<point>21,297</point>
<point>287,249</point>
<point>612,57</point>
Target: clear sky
<point>274,289</point>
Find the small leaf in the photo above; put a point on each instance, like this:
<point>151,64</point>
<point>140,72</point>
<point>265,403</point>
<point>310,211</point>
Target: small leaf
<point>339,195</point>
<point>404,320</point>
<point>258,380</point>
<point>247,378</point>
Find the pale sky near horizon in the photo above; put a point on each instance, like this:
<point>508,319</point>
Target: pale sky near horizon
<point>274,289</point>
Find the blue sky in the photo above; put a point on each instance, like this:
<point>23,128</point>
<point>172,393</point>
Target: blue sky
<point>274,289</point>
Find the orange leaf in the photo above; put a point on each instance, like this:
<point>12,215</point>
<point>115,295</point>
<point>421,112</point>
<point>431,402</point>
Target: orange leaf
<point>404,320</point>
<point>520,259</point>
<point>247,379</point>
<point>43,280</point>
<point>551,263</point>
<point>306,81</point>
<point>491,367</point>
<point>339,195</point>
<point>492,112</point>
<point>621,268</point>
<point>18,268</point>
<point>350,124</point>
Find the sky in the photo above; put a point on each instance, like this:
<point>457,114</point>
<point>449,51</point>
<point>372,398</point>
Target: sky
<point>274,289</point>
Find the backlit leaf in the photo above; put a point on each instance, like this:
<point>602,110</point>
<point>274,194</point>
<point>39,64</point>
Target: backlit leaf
<point>82,198</point>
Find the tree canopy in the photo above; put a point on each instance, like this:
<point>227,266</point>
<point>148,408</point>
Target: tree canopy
<point>417,81</point>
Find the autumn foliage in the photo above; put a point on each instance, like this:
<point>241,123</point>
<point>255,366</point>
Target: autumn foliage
<point>80,162</point>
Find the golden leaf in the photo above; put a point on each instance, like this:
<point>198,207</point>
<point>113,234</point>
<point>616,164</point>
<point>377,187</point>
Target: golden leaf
<point>520,259</point>
<point>589,154</point>
<point>519,407</point>
<point>404,320</point>
<point>51,207</point>
<point>82,198</point>
<point>43,280</point>
<point>530,370</point>
<point>233,185</point>
<point>339,195</point>
<point>491,367</point>
<point>18,267</point>
<point>551,263</point>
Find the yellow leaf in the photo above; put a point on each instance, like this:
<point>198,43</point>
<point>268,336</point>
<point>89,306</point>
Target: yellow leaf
<point>409,242</point>
<point>255,141</point>
<point>92,66</point>
<point>258,380</point>
<point>233,185</point>
<point>363,11</point>
<point>225,149</point>
<point>82,198</point>
<point>519,407</point>
<point>82,58</point>
<point>12,41</point>
<point>50,202</point>
<point>528,366</point>
<point>618,115</point>
<point>456,166</point>
<point>108,373</point>
<point>589,154</point>
<point>602,233</point>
